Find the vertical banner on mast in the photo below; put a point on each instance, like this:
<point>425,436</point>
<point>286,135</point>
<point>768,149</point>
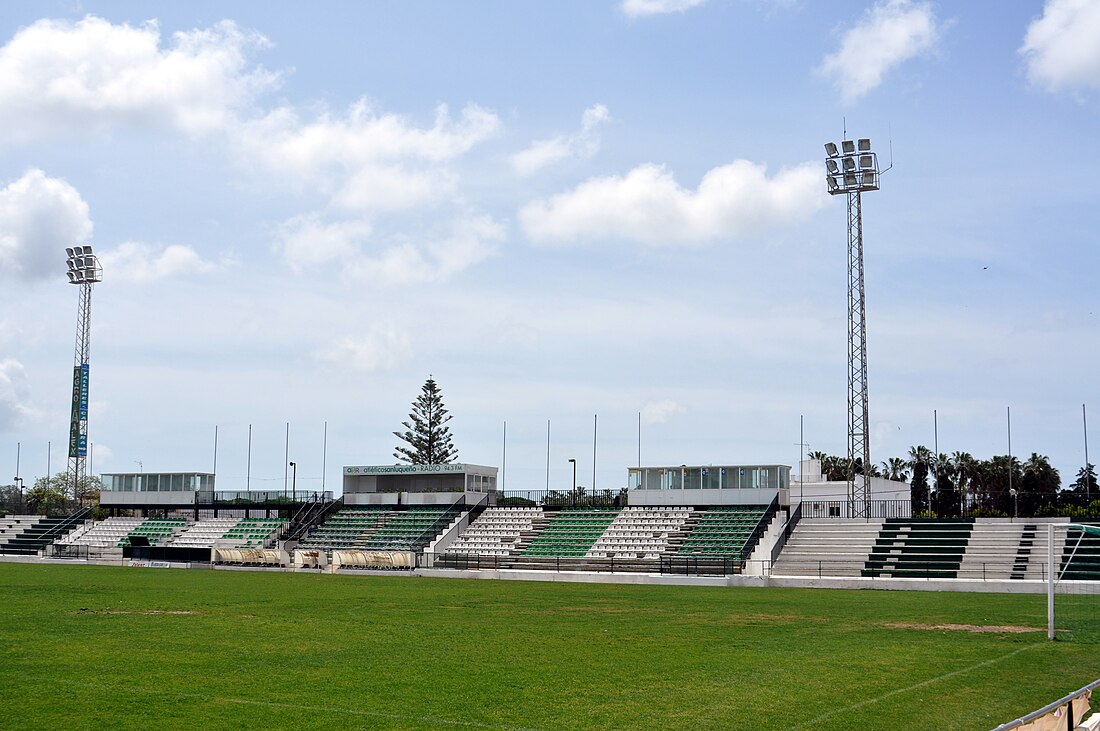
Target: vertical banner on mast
<point>82,438</point>
<point>74,421</point>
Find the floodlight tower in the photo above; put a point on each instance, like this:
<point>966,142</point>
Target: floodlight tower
<point>84,271</point>
<point>852,170</point>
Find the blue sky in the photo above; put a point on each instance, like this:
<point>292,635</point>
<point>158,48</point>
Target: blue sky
<point>558,210</point>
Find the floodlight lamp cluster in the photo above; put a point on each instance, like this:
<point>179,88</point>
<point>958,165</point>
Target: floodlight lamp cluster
<point>852,167</point>
<point>83,266</point>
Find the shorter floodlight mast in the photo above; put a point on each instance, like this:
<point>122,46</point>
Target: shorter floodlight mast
<point>84,271</point>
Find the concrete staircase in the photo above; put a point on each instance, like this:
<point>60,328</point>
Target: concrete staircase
<point>827,547</point>
<point>1003,550</point>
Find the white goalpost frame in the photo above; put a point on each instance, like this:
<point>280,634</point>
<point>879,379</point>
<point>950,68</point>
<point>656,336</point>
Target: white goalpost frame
<point>1052,569</point>
<point>1050,581</point>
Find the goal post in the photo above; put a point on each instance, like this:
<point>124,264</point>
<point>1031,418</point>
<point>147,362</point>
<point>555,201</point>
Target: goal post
<point>1073,578</point>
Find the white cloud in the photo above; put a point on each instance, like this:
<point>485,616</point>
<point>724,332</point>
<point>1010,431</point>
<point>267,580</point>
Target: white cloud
<point>365,161</point>
<point>57,76</point>
<point>307,241</point>
<point>583,144</point>
<point>137,262</point>
<point>890,33</point>
<point>1062,48</point>
<point>39,217</point>
<point>468,242</point>
<point>14,408</point>
<point>641,8</point>
<point>381,348</point>
<point>658,412</point>
<point>649,206</point>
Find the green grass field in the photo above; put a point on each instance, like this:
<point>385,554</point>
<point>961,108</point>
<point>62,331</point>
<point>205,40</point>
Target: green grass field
<point>124,648</point>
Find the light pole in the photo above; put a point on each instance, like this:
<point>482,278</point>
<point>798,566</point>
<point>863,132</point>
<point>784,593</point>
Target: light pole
<point>19,484</point>
<point>293,480</point>
<point>851,170</point>
<point>574,463</point>
<point>84,271</point>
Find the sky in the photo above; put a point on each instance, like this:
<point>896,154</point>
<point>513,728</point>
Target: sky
<point>608,215</point>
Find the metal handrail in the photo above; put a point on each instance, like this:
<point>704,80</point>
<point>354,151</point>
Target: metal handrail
<point>788,529</point>
<point>69,522</point>
<point>1050,708</point>
<point>761,526</point>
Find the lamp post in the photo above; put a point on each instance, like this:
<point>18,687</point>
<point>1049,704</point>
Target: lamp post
<point>851,170</point>
<point>574,463</point>
<point>293,480</point>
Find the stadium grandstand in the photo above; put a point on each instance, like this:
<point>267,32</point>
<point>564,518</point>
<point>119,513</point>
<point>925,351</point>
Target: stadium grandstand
<point>701,520</point>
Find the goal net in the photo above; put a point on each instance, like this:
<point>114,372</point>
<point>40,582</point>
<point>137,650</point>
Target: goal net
<point>1073,582</point>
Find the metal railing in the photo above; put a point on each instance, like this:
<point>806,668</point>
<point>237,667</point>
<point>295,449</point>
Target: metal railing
<point>761,526</point>
<point>840,509</point>
<point>67,525</point>
<point>256,497</point>
<point>67,550</point>
<point>545,563</point>
<point>1067,700</point>
<point>579,498</point>
<point>788,529</point>
<point>983,571</point>
<point>308,516</point>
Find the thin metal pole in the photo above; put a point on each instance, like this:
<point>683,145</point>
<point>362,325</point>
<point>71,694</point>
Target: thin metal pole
<point>504,458</point>
<point>639,440</point>
<point>248,464</point>
<point>1008,414</point>
<point>595,417</point>
<point>324,457</point>
<point>19,448</point>
<point>286,457</point>
<point>936,453</point>
<point>547,455</point>
<point>49,461</point>
<point>1088,482</point>
<point>215,452</point>
<point>801,453</point>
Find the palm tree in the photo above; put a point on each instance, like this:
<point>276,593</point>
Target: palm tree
<point>896,469</point>
<point>963,466</point>
<point>920,457</point>
<point>1039,485</point>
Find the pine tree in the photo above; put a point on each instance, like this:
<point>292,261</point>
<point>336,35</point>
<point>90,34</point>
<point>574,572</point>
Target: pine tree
<point>426,432</point>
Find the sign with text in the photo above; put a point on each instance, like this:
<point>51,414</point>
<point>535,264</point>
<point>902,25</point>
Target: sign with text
<point>74,420</point>
<point>406,469</point>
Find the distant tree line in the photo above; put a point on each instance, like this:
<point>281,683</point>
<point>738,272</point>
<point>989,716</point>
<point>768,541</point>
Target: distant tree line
<point>955,484</point>
<point>50,496</point>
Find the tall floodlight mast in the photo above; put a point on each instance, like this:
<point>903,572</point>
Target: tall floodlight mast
<point>84,271</point>
<point>851,170</point>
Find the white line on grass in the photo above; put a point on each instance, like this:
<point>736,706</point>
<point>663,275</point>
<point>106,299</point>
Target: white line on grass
<point>300,707</point>
<point>921,684</point>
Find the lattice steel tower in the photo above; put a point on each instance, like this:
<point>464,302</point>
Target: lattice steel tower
<point>852,170</point>
<point>84,271</point>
